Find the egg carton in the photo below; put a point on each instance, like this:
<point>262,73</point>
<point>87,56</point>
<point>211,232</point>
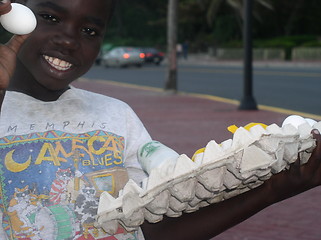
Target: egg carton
<point>222,171</point>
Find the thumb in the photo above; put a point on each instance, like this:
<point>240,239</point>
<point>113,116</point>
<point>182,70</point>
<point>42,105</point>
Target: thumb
<point>16,41</point>
<point>316,135</point>
<point>5,6</point>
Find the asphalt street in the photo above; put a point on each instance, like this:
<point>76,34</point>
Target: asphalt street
<point>294,87</point>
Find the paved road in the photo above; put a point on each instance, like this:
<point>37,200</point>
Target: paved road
<point>294,88</point>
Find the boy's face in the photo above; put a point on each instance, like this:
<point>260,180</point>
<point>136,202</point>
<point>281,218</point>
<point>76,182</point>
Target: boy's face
<point>66,41</point>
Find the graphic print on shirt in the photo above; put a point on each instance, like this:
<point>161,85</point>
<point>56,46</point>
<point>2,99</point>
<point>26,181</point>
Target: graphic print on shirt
<point>59,186</point>
<point>51,183</point>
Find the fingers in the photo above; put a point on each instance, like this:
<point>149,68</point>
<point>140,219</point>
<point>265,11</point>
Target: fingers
<point>317,151</point>
<point>312,169</point>
<point>16,41</point>
<point>8,55</point>
<point>316,135</point>
<point>5,6</point>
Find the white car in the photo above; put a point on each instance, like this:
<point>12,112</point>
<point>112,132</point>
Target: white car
<point>123,57</point>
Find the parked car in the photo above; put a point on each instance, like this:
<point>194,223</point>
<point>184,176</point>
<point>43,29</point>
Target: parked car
<point>152,55</point>
<point>104,48</point>
<point>123,57</point>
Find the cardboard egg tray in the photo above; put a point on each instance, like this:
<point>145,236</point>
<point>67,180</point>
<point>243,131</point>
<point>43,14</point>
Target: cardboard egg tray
<point>222,171</point>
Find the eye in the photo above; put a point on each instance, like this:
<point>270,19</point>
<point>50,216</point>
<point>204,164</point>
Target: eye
<point>90,32</point>
<point>49,18</point>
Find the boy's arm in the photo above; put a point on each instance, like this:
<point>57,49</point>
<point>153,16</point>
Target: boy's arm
<point>209,221</point>
<point>215,219</point>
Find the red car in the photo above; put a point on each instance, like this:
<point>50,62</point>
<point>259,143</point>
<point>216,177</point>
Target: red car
<point>152,55</point>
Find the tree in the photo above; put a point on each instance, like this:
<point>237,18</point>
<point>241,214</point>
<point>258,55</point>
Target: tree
<point>223,13</point>
<point>138,23</point>
<point>213,7</point>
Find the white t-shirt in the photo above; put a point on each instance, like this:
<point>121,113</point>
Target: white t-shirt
<point>57,157</point>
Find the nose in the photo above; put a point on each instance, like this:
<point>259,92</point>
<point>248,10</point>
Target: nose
<point>66,41</point>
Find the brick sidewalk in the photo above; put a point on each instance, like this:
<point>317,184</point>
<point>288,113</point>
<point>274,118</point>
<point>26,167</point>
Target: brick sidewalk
<point>186,123</point>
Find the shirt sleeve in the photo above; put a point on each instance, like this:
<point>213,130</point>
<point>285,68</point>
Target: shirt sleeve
<point>137,136</point>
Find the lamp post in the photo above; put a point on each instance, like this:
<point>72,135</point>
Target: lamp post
<point>171,78</point>
<point>248,102</point>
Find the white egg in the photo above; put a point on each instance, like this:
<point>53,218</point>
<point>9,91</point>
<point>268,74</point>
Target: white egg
<point>294,120</point>
<point>310,121</point>
<point>20,20</point>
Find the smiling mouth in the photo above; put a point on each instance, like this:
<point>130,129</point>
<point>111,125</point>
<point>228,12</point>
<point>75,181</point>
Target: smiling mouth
<point>57,63</point>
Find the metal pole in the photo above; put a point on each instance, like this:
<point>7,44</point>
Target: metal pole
<point>248,102</point>
<point>171,78</point>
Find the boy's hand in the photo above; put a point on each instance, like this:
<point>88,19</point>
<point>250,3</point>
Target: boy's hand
<point>8,52</point>
<point>298,178</point>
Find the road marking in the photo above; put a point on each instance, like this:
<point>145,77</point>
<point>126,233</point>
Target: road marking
<point>209,97</point>
<point>255,72</point>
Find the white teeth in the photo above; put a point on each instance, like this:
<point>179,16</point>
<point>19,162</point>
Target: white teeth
<point>57,63</point>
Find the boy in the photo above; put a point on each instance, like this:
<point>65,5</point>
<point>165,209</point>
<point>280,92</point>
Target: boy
<point>60,147</point>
